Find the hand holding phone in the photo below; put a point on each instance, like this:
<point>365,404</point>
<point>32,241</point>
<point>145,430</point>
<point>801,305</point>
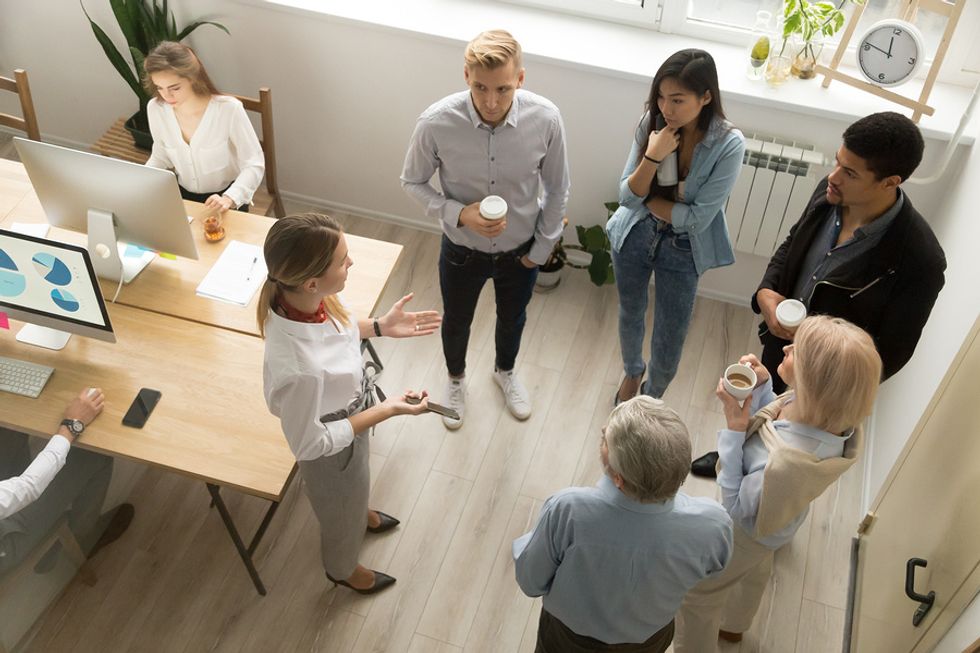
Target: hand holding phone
<point>434,408</point>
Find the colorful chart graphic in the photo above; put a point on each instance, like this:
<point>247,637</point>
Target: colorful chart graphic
<point>12,282</point>
<point>52,269</point>
<point>65,300</point>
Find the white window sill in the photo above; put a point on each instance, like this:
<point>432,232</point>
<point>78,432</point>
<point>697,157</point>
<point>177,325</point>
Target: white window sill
<point>630,52</point>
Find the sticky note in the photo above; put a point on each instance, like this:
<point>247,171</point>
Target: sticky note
<point>4,322</point>
<point>134,251</point>
<point>171,257</point>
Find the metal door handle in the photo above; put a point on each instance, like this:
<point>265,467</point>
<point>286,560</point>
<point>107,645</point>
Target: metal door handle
<point>925,601</point>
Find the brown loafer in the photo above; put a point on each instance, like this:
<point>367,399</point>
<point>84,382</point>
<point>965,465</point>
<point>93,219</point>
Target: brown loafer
<point>730,637</point>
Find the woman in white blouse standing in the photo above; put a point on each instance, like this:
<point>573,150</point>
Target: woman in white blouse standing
<point>204,136</point>
<point>316,384</point>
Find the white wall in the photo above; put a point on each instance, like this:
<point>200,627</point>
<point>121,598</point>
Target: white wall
<point>346,97</point>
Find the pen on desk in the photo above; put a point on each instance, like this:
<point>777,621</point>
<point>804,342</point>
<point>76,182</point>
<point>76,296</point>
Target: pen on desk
<point>251,268</point>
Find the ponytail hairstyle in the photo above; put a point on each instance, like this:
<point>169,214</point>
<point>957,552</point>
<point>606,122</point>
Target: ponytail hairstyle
<point>298,248</point>
<point>836,373</point>
<point>177,58</point>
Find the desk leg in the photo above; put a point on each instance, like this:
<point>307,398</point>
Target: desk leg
<point>245,554</point>
<point>372,352</point>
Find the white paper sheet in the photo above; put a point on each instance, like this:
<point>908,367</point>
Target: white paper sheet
<point>236,275</point>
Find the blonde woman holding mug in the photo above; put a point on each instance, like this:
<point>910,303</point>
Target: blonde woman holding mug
<point>315,383</point>
<point>777,455</point>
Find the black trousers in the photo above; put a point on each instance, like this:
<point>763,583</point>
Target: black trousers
<point>556,637</point>
<point>772,356</point>
<point>201,197</point>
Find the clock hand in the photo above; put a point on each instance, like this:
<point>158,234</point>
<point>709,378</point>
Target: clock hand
<point>890,44</point>
<point>872,45</point>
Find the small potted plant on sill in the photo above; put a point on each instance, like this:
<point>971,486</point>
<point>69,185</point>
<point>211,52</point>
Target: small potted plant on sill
<point>144,24</point>
<point>805,26</point>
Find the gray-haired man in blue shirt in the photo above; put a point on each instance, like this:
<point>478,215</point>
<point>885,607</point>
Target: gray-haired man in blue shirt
<point>613,562</point>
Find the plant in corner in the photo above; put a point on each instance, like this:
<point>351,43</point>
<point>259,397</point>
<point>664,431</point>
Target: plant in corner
<point>812,21</point>
<point>591,240</point>
<point>144,24</point>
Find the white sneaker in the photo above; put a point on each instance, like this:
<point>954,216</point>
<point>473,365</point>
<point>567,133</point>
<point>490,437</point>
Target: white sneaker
<point>455,399</point>
<point>515,394</point>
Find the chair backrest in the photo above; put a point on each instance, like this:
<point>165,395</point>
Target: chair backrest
<point>263,106</point>
<point>22,88</point>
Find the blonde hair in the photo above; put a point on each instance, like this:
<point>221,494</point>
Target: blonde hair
<point>836,373</point>
<point>493,49</point>
<point>298,248</point>
<point>177,58</point>
<point>649,447</point>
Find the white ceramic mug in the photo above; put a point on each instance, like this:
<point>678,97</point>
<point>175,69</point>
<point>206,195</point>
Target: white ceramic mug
<point>739,380</point>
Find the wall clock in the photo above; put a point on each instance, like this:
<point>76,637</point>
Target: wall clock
<point>890,52</point>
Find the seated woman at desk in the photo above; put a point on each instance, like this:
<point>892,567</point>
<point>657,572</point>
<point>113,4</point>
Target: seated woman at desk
<point>204,136</point>
<point>316,384</point>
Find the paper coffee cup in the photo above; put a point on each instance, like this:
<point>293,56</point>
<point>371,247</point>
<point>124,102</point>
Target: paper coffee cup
<point>790,313</point>
<point>493,207</point>
<point>739,380</point>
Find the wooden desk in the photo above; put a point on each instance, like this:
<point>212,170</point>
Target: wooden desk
<point>168,286</point>
<point>202,354</point>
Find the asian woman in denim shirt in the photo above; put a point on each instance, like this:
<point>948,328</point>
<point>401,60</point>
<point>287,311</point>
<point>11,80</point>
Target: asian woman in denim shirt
<point>675,228</point>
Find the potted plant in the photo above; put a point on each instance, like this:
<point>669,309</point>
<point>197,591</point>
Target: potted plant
<point>810,23</point>
<point>592,241</point>
<point>144,24</point>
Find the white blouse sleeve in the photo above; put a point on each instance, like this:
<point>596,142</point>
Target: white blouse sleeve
<point>248,154</point>
<point>20,491</point>
<point>158,155</point>
<point>298,403</point>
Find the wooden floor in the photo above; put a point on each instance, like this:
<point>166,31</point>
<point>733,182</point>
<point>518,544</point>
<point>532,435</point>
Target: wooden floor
<point>174,583</point>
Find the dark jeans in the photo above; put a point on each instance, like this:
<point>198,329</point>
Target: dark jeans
<point>462,274</point>
<point>556,637</point>
<point>201,197</point>
<point>78,489</point>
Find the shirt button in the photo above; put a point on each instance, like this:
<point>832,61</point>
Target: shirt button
<point>492,183</point>
<point>814,277</point>
<point>493,158</point>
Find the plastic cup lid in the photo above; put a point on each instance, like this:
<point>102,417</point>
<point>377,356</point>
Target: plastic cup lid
<point>493,207</point>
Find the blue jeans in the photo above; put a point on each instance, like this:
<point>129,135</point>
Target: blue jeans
<point>653,248</point>
<point>462,274</point>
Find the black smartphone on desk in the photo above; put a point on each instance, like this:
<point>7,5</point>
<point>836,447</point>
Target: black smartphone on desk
<point>139,411</point>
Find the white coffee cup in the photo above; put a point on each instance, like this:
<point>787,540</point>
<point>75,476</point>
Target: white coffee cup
<point>739,380</point>
<point>493,207</point>
<point>790,313</point>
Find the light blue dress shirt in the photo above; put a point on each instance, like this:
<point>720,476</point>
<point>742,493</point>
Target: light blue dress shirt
<point>715,166</point>
<point>743,466</point>
<point>615,569</point>
<point>522,159</point>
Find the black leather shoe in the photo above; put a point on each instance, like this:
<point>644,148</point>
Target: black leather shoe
<point>387,523</point>
<point>381,582</point>
<point>705,465</point>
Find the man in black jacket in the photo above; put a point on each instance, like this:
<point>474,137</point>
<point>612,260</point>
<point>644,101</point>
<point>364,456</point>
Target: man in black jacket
<point>860,251</point>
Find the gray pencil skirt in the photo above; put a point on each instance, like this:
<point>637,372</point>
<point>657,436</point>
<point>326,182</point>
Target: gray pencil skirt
<point>338,488</point>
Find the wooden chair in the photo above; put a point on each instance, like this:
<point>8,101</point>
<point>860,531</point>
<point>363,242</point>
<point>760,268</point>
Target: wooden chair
<point>266,200</point>
<point>22,88</point>
<point>69,546</point>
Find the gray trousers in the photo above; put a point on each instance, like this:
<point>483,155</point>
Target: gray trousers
<point>338,487</point>
<point>78,489</point>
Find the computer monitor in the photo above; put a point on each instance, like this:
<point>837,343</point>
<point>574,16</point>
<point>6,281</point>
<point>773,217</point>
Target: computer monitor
<point>115,202</point>
<point>51,286</point>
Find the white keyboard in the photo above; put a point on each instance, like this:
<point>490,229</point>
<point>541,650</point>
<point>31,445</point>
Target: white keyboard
<point>23,378</point>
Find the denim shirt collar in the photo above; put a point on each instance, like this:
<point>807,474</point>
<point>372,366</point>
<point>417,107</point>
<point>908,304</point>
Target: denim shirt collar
<point>882,222</point>
<point>716,130</point>
<point>615,496</point>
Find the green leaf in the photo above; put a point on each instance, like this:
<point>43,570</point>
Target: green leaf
<point>792,25</point>
<point>600,269</point>
<point>115,58</point>
<point>193,26</point>
<point>123,17</point>
<point>611,208</point>
<point>138,58</point>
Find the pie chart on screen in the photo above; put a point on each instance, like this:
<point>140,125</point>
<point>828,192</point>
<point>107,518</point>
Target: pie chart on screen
<point>12,282</point>
<point>52,269</point>
<point>64,300</point>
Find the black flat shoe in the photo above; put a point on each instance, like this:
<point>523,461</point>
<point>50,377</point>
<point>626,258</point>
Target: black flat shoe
<point>381,582</point>
<point>705,465</point>
<point>387,523</point>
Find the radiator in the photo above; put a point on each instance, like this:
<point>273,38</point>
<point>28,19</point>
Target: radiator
<point>777,179</point>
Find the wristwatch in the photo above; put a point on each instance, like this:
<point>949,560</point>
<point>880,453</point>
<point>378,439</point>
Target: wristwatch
<point>76,426</point>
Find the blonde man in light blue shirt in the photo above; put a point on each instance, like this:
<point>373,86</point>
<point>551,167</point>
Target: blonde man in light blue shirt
<point>613,562</point>
<point>493,139</point>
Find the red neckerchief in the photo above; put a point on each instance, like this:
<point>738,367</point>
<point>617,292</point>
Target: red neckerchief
<point>292,313</point>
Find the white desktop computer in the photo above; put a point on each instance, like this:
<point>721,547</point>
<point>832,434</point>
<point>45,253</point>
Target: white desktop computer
<point>52,286</point>
<point>115,202</point>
